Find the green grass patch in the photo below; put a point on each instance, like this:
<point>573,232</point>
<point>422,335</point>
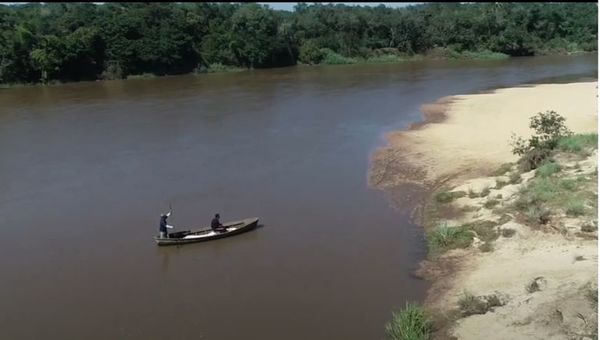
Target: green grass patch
<point>578,143</point>
<point>141,76</point>
<point>575,208</point>
<point>219,68</point>
<point>568,184</point>
<point>444,238</point>
<point>410,323</point>
<point>547,169</point>
<point>484,55</point>
<point>449,196</point>
<point>333,58</point>
<point>386,59</point>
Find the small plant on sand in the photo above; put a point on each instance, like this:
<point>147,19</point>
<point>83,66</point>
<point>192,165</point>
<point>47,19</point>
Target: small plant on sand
<point>579,258</point>
<point>592,295</point>
<point>500,184</point>
<point>535,285</point>
<point>504,219</point>
<point>547,169</point>
<point>486,247</point>
<point>445,238</point>
<point>549,127</point>
<point>589,227</point>
<point>575,208</point>
<point>507,232</point>
<point>470,304</point>
<point>504,168</point>
<point>410,323</point>
<point>490,203</point>
<point>449,196</point>
<point>484,230</point>
<point>538,215</point>
<point>514,178</point>
<point>484,192</point>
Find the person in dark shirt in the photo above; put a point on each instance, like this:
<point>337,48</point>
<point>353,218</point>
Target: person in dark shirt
<point>216,225</point>
<point>163,225</point>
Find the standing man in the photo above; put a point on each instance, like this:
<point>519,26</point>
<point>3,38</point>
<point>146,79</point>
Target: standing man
<point>163,225</point>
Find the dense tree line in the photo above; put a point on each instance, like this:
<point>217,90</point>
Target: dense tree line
<point>82,41</point>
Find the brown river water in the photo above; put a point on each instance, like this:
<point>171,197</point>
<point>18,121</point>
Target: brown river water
<point>88,167</point>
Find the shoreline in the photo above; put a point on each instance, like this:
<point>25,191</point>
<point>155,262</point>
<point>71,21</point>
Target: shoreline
<point>236,69</point>
<point>453,149</point>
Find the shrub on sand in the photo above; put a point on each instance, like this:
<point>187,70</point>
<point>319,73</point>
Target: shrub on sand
<point>410,323</point>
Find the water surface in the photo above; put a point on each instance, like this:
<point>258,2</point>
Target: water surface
<point>88,167</point>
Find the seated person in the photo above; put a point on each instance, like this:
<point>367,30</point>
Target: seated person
<point>216,225</point>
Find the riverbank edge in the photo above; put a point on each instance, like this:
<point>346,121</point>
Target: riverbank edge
<point>219,69</point>
<point>441,271</point>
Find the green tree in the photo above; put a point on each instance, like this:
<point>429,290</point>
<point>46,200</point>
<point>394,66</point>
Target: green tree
<point>253,30</point>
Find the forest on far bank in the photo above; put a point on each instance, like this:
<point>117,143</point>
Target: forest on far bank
<point>86,41</point>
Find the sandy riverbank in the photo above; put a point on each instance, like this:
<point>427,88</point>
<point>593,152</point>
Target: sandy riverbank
<point>463,141</point>
<point>468,135</point>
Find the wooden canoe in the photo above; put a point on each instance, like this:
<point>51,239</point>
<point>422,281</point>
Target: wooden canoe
<point>207,234</point>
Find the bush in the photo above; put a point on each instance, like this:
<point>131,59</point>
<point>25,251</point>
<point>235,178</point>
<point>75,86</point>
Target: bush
<point>310,53</point>
<point>547,169</point>
<point>410,323</point>
<point>507,232</point>
<point>549,127</point>
<point>470,304</point>
<point>113,70</point>
<point>533,158</point>
<point>484,229</point>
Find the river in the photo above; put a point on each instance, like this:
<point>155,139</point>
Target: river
<point>87,168</point>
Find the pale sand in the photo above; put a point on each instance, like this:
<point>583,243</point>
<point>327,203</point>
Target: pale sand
<point>465,147</point>
<point>474,137</point>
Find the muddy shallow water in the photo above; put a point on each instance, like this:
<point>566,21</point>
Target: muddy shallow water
<point>88,167</point>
